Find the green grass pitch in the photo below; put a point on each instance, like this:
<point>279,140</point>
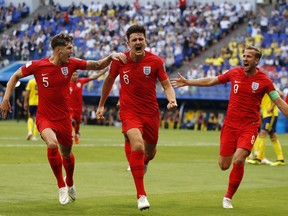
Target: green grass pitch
<point>183,179</point>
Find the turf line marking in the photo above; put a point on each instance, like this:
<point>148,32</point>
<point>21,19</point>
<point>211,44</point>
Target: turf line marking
<point>109,145</point>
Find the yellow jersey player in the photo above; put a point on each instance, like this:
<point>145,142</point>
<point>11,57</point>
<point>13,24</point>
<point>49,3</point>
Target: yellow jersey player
<point>31,102</point>
<point>269,121</point>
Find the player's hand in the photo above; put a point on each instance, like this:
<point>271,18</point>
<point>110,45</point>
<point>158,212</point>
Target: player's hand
<point>119,56</point>
<point>5,107</point>
<point>99,113</point>
<point>178,82</point>
<point>172,105</point>
<point>25,105</point>
<point>103,71</point>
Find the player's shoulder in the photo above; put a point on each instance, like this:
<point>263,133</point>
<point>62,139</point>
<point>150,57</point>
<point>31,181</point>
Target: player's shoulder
<point>74,60</point>
<point>36,63</point>
<point>32,81</point>
<point>263,75</point>
<point>83,80</point>
<point>149,54</point>
<point>234,70</point>
<point>120,63</point>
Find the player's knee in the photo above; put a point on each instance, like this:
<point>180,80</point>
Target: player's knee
<point>52,144</point>
<point>149,156</point>
<point>224,166</point>
<point>65,155</point>
<point>239,161</point>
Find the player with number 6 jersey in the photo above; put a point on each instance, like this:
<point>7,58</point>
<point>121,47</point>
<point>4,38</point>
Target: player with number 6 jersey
<point>139,112</point>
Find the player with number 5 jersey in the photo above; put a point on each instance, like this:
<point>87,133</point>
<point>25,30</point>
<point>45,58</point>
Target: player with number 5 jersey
<point>53,120</point>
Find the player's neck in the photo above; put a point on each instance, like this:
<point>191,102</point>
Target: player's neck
<point>136,58</point>
<point>251,73</point>
<point>55,61</point>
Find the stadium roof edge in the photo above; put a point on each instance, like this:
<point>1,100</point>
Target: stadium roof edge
<point>7,72</point>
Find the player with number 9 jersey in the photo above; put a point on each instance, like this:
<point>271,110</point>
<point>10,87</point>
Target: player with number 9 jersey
<point>245,96</point>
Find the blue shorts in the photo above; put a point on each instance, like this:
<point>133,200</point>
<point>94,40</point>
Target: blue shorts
<point>269,124</point>
<point>32,111</point>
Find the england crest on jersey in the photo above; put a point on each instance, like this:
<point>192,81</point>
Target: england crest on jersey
<point>255,86</point>
<point>147,70</point>
<point>64,71</point>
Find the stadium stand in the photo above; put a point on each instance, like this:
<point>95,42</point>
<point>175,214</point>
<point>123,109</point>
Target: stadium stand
<point>99,29</point>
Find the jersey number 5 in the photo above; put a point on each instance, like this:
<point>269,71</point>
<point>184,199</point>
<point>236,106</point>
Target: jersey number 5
<point>45,81</point>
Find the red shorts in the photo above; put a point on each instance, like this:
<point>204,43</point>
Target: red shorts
<point>233,138</point>
<point>63,129</point>
<point>148,125</point>
<point>76,115</point>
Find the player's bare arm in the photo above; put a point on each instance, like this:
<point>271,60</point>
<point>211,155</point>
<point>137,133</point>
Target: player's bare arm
<point>99,74</point>
<point>26,99</point>
<point>182,81</point>
<point>170,94</point>
<point>5,105</point>
<point>103,63</point>
<point>106,88</point>
<point>282,105</point>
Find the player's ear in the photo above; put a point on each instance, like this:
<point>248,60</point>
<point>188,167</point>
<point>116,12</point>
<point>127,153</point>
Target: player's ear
<point>59,50</point>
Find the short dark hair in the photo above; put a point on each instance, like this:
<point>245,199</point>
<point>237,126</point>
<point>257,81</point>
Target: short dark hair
<point>258,52</point>
<point>135,29</point>
<point>61,39</point>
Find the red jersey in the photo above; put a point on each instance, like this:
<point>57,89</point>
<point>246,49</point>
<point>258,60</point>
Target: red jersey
<point>182,3</point>
<point>75,101</point>
<point>138,83</point>
<point>245,96</point>
<point>53,85</point>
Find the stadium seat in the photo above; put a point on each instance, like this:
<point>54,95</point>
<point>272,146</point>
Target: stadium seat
<point>179,59</point>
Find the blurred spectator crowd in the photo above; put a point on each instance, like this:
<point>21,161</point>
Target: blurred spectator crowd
<point>175,33</point>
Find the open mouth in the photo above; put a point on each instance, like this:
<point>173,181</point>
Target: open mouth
<point>138,48</point>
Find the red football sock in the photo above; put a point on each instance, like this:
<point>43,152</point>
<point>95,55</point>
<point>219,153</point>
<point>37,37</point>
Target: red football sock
<point>69,164</point>
<point>137,169</point>
<point>127,147</point>
<point>235,179</point>
<point>76,128</point>
<point>55,161</point>
<point>146,160</point>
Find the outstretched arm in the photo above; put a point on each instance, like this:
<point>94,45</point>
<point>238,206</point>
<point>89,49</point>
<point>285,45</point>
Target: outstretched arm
<point>102,63</point>
<point>106,88</point>
<point>170,94</point>
<point>282,105</point>
<point>5,105</point>
<point>99,74</point>
<point>182,81</point>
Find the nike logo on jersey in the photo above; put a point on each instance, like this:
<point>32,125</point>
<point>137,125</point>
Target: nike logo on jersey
<point>45,74</point>
<point>126,71</point>
<point>237,81</point>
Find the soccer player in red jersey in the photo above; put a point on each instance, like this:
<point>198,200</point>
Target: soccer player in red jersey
<point>239,132</point>
<point>53,76</point>
<point>76,102</point>
<point>139,110</point>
